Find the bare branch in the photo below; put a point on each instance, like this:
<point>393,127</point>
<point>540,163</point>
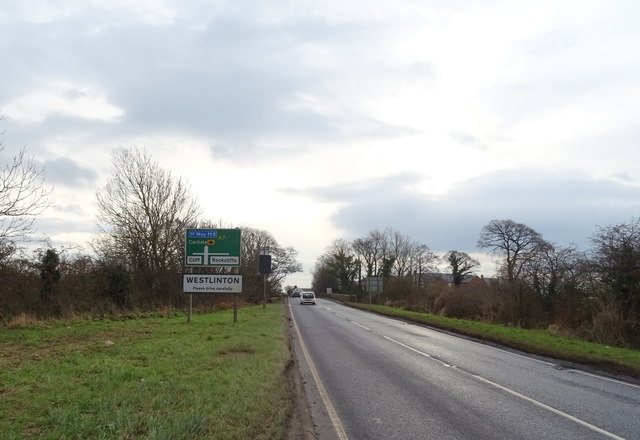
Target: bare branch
<point>23,195</point>
<point>143,211</point>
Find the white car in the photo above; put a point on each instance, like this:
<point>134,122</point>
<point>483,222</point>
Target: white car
<point>308,297</point>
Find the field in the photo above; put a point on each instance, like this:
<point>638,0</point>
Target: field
<point>148,378</point>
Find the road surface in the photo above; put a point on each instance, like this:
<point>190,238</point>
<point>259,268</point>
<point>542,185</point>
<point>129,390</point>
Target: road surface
<point>370,377</point>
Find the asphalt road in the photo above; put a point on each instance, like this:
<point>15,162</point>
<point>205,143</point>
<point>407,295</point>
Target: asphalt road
<point>370,377</point>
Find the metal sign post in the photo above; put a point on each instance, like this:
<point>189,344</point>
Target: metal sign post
<point>235,303</point>
<point>373,285</point>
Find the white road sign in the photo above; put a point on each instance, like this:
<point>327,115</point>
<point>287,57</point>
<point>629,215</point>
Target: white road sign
<point>193,283</point>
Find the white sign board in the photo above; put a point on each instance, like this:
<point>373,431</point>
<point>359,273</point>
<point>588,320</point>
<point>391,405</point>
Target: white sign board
<point>193,283</point>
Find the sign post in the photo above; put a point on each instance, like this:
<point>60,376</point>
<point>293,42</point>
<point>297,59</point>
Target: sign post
<point>212,248</point>
<point>373,285</point>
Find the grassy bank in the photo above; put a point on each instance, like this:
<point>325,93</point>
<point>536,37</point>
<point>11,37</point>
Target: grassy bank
<point>150,378</point>
<point>543,342</point>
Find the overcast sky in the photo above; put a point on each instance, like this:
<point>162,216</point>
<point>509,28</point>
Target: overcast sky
<point>318,120</point>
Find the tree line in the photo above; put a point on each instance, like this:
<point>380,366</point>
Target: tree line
<point>138,257</point>
<point>137,261</point>
<point>593,294</point>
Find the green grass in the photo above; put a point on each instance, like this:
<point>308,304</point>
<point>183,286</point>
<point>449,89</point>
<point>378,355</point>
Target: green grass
<point>542,342</point>
<point>162,378</point>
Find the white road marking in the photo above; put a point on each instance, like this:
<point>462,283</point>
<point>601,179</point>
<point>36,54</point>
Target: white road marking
<point>513,393</point>
<point>360,325</point>
<point>586,373</point>
<point>530,358</point>
<point>508,390</point>
<point>333,415</point>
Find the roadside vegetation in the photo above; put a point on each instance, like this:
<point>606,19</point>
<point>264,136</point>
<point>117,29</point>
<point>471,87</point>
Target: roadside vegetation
<point>548,343</point>
<point>150,377</point>
<point>96,344</point>
<point>137,259</point>
<point>591,295</point>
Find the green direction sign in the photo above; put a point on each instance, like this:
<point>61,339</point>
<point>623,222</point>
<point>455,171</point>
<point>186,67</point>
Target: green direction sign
<point>212,248</point>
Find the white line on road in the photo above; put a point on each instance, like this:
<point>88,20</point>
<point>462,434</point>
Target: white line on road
<point>360,325</point>
<point>514,393</point>
<point>524,356</point>
<point>333,415</point>
<point>548,408</point>
<point>586,373</point>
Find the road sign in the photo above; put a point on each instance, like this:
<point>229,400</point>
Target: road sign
<point>373,284</point>
<point>212,248</point>
<point>192,283</point>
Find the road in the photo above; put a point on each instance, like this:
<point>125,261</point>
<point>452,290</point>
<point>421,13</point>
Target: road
<point>370,377</point>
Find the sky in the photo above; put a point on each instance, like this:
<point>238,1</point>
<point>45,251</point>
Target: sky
<point>325,120</point>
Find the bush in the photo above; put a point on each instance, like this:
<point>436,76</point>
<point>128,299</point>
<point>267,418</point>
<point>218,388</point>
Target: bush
<point>118,283</point>
<point>460,302</point>
<point>608,326</point>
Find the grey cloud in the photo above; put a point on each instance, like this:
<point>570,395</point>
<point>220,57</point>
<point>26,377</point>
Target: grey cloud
<point>564,208</point>
<point>68,172</point>
<point>365,191</point>
<point>233,79</point>
<point>240,91</point>
<point>37,142</point>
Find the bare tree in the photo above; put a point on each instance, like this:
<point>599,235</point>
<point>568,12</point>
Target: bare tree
<point>143,212</point>
<point>461,265</point>
<point>387,256</point>
<point>283,263</point>
<point>516,243</point>
<point>401,247</point>
<point>23,195</point>
<point>422,261</point>
<point>519,246</point>
<point>369,250</point>
<point>391,253</point>
<point>554,271</point>
<point>283,260</point>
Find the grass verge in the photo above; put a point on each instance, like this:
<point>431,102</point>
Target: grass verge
<point>148,378</point>
<point>542,342</point>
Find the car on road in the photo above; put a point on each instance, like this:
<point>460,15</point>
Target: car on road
<point>295,294</point>
<point>308,297</point>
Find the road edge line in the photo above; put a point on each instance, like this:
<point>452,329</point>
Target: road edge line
<point>333,415</point>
